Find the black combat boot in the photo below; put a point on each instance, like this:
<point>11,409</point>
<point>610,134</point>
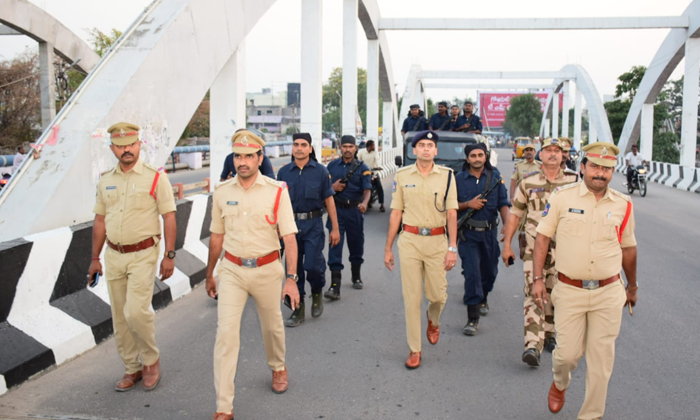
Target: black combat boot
<point>531,357</point>
<point>484,307</point>
<point>356,279</point>
<point>550,343</point>
<point>473,323</point>
<point>297,316</point>
<point>333,292</point>
<point>316,304</point>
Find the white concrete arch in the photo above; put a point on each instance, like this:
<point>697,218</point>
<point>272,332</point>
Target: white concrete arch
<point>155,76</point>
<point>28,19</point>
<point>414,93</point>
<point>667,58</point>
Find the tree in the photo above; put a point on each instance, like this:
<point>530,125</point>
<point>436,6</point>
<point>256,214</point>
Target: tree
<point>332,93</point>
<point>617,111</point>
<point>629,82</point>
<point>199,123</point>
<point>20,101</point>
<point>665,148</point>
<point>524,116</point>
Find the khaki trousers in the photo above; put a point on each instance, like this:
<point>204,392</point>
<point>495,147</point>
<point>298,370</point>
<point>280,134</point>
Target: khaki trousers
<point>130,284</point>
<point>588,321</point>
<point>236,283</point>
<point>421,259</point>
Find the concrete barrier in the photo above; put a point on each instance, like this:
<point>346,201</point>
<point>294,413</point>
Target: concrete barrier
<point>669,174</point>
<point>48,315</point>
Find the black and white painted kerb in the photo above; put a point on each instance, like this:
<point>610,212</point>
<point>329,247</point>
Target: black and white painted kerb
<point>681,177</point>
<point>48,315</point>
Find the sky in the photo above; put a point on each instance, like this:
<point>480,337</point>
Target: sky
<point>274,45</point>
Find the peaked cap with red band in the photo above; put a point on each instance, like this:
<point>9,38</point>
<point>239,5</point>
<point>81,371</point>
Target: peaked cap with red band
<point>246,143</point>
<point>123,133</point>
<point>602,153</point>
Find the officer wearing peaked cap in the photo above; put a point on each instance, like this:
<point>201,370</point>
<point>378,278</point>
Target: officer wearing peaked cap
<point>129,200</point>
<point>310,189</point>
<point>250,212</point>
<point>425,196</point>
<point>594,226</point>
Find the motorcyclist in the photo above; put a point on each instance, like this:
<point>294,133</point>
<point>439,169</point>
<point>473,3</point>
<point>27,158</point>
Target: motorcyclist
<point>369,156</point>
<point>633,159</point>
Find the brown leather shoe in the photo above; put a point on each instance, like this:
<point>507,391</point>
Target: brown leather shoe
<point>128,381</point>
<point>556,399</point>
<point>151,375</point>
<point>223,416</point>
<point>413,360</point>
<point>280,381</point>
<point>433,332</point>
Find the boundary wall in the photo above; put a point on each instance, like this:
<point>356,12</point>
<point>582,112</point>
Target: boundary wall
<point>669,174</point>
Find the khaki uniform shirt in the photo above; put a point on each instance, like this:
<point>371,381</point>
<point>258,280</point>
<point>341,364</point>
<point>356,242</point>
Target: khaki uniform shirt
<point>588,247</point>
<point>242,215</point>
<point>532,195</point>
<point>522,169</point>
<point>131,212</point>
<point>417,195</point>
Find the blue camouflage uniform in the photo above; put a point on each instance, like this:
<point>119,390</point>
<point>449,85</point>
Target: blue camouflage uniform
<point>308,188</point>
<point>350,219</point>
<point>409,124</point>
<point>437,120</point>
<point>473,120</point>
<point>480,252</point>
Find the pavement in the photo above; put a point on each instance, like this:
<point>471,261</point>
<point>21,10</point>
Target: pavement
<point>349,363</point>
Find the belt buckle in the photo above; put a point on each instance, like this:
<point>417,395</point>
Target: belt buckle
<point>120,248</point>
<point>590,284</point>
<point>249,262</point>
<point>480,229</point>
<point>423,231</point>
<point>303,216</point>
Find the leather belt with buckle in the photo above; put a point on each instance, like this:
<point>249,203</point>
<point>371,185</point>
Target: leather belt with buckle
<point>588,284</point>
<point>423,231</point>
<point>346,204</point>
<point>253,262</point>
<point>310,215</point>
<point>127,249</point>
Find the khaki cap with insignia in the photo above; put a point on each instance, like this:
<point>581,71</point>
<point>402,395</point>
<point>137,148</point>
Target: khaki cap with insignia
<point>565,143</point>
<point>551,142</point>
<point>529,146</point>
<point>602,153</point>
<point>246,143</point>
<point>123,133</point>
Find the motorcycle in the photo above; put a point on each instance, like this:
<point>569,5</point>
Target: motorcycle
<point>639,180</point>
<point>374,197</point>
<point>4,180</point>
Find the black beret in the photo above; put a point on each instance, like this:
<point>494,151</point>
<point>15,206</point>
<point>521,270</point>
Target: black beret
<point>303,136</point>
<point>443,103</point>
<point>471,147</point>
<point>427,134</point>
<point>415,106</point>
<point>347,140</point>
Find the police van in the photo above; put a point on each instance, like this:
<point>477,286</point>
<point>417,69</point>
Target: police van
<point>450,149</point>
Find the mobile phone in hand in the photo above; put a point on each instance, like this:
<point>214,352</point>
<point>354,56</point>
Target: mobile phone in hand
<point>511,260</point>
<point>288,301</point>
<point>95,279</point>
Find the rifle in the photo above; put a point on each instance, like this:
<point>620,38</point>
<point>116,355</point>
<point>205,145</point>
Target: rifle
<point>470,213</point>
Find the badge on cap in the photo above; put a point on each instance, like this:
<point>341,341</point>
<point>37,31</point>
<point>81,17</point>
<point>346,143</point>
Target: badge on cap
<point>122,133</point>
<point>245,140</point>
<point>604,152</point>
<point>430,135</point>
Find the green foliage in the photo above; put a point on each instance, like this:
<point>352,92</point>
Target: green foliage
<point>20,101</point>
<point>524,116</point>
<point>291,130</point>
<point>431,108</point>
<point>617,111</point>
<point>665,148</point>
<point>629,82</point>
<point>199,123</point>
<point>101,41</point>
<point>332,103</point>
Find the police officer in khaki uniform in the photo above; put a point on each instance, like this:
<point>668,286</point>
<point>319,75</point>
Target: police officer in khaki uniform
<point>425,195</point>
<point>594,227</point>
<point>130,198</point>
<point>524,167</point>
<point>566,163</point>
<point>249,211</point>
<point>531,197</point>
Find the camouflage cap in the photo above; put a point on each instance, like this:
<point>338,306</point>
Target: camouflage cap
<point>602,153</point>
<point>123,133</point>
<point>566,143</point>
<point>551,142</point>
<point>246,143</point>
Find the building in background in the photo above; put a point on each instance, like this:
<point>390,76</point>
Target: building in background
<point>277,113</point>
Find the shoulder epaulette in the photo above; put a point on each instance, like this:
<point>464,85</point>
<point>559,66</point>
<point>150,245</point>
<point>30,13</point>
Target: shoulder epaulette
<point>403,169</point>
<point>224,183</point>
<point>108,171</point>
<point>445,168</point>
<point>276,183</point>
<point>531,174</point>
<point>566,187</point>
<point>153,168</point>
<point>570,172</point>
<point>621,195</point>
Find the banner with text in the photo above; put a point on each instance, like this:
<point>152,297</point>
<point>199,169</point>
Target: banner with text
<point>493,106</point>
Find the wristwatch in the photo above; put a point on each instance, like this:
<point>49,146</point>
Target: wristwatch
<point>452,249</point>
<point>293,277</point>
<point>170,254</point>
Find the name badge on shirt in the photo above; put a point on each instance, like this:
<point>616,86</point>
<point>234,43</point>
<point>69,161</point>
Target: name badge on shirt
<point>410,186</point>
<point>577,211</point>
<point>111,187</point>
<point>536,190</point>
<point>232,203</point>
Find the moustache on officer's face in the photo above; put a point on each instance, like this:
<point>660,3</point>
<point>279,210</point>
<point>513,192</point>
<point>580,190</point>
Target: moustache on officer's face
<point>127,154</point>
<point>599,178</point>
